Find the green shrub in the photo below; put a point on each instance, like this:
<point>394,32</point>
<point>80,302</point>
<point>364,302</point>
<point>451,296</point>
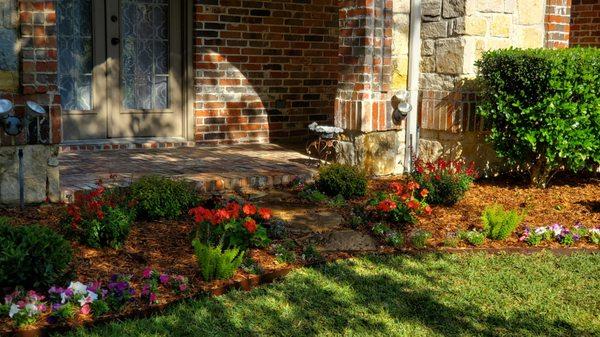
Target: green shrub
<point>419,238</point>
<point>339,179</point>
<point>543,107</point>
<point>284,252</point>
<point>312,195</point>
<point>473,237</point>
<point>446,181</point>
<point>498,224</point>
<point>216,263</point>
<point>163,198</point>
<point>111,231</point>
<point>32,256</point>
<point>395,239</point>
<point>310,255</point>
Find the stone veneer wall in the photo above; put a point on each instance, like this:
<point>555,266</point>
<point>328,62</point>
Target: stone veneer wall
<point>455,33</point>
<point>585,23</point>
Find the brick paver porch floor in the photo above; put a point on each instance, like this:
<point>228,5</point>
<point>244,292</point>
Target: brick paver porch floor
<point>211,168</point>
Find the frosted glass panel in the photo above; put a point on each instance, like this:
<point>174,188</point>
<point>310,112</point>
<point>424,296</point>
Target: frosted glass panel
<point>145,54</point>
<point>75,61</point>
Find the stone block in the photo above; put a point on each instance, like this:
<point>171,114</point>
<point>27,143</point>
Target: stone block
<point>531,12</point>
<point>400,72</point>
<point>434,30</point>
<point>428,64</point>
<point>497,43</point>
<point>402,6</point>
<point>427,47</point>
<point>475,25</point>
<point>474,47</point>
<point>530,36</point>
<point>453,8</point>
<point>485,6</point>
<point>449,56</point>
<point>501,24</point>
<point>431,8</point>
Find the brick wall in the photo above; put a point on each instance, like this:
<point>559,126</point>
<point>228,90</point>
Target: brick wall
<point>37,67</point>
<point>264,70</point>
<point>585,23</point>
<point>558,16</point>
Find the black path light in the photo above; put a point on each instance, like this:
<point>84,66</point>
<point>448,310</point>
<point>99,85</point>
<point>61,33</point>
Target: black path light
<point>13,126</point>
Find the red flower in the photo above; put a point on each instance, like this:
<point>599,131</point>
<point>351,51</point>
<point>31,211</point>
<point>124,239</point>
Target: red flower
<point>405,196</point>
<point>201,214</point>
<point>387,205</point>
<point>250,225</point>
<point>265,213</point>
<point>249,209</point>
<point>428,210</point>
<point>424,192</point>
<point>220,216</point>
<point>413,185</point>
<point>234,209</point>
<point>413,204</point>
<point>397,188</point>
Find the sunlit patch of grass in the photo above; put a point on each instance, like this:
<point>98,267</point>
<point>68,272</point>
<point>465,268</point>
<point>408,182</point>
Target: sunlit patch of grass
<point>425,295</point>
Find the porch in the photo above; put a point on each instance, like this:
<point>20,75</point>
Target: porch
<point>211,168</point>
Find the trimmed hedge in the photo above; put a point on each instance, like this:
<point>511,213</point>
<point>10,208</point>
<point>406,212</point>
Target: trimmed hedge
<point>543,108</point>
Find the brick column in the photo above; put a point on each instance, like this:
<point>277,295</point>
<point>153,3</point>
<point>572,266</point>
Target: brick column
<point>558,16</point>
<point>365,71</point>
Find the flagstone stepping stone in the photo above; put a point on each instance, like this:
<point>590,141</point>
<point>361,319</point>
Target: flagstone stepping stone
<point>347,241</point>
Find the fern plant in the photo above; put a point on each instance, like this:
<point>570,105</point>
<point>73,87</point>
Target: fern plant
<point>498,223</point>
<point>216,263</point>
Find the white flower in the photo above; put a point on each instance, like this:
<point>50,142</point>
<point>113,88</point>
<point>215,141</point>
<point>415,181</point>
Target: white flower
<point>78,288</point>
<point>14,309</point>
<point>541,230</point>
<point>31,309</point>
<point>91,297</point>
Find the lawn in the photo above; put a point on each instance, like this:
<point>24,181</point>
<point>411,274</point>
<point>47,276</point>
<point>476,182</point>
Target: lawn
<point>426,295</point>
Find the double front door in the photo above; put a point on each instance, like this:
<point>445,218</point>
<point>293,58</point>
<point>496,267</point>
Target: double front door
<point>119,71</point>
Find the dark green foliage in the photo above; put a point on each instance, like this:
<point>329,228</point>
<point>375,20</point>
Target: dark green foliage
<point>543,107</point>
<point>32,256</point>
<point>285,252</point>
<point>499,224</point>
<point>344,180</point>
<point>419,238</point>
<point>277,229</point>
<point>216,263</point>
<point>311,194</point>
<point>111,231</point>
<point>163,198</point>
<point>311,255</point>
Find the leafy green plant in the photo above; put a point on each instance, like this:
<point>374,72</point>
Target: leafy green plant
<point>337,201</point>
<point>446,181</point>
<point>542,108</point>
<point>216,263</point>
<point>473,237</point>
<point>594,236</point>
<point>400,205</point>
<point>163,198</point>
<point>250,266</point>
<point>419,238</point>
<point>313,195</point>
<point>310,254</point>
<point>99,218</point>
<point>452,240</point>
<point>277,229</point>
<point>284,252</point>
<point>339,179</point>
<point>381,229</point>
<point>499,224</point>
<point>395,239</point>
<point>32,256</point>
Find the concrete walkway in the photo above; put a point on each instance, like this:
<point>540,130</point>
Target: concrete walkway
<point>212,168</point>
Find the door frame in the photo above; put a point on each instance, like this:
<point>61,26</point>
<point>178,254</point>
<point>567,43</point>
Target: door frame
<point>100,76</point>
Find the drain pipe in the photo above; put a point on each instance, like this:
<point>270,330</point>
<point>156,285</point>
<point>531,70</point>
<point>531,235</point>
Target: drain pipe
<point>414,63</point>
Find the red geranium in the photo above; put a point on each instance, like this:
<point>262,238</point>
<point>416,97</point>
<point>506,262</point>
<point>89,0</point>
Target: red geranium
<point>424,192</point>
<point>413,185</point>
<point>234,209</point>
<point>250,225</point>
<point>397,188</point>
<point>201,214</point>
<point>265,213</point>
<point>428,210</point>
<point>249,209</point>
<point>387,205</point>
<point>413,204</point>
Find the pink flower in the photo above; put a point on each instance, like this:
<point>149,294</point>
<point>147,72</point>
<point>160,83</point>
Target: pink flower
<point>153,298</point>
<point>147,273</point>
<point>164,279</point>
<point>86,309</point>
<point>183,287</point>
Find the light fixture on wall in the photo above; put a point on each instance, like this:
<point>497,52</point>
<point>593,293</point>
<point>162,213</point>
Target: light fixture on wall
<point>401,106</point>
<point>13,126</point>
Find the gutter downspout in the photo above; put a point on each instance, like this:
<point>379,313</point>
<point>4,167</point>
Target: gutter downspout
<point>414,62</point>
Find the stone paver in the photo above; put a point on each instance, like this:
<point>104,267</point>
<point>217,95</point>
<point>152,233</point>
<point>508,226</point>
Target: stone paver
<point>211,168</point>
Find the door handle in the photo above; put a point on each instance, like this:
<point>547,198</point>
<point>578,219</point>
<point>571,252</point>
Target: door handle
<point>115,41</point>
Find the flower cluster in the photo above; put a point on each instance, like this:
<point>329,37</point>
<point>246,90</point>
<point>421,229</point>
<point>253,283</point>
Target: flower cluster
<point>447,181</point>
<point>153,280</point>
<point>441,166</point>
<point>560,234</point>
<point>401,203</point>
<point>236,224</point>
<point>76,298</point>
<point>24,308</point>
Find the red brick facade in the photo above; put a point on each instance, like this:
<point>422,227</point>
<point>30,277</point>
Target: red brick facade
<point>585,23</point>
<point>558,17</point>
<point>264,70</point>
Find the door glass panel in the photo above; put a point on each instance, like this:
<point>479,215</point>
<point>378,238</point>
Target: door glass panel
<point>75,61</point>
<point>145,54</point>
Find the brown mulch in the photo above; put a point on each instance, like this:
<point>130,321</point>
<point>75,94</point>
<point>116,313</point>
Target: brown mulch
<point>566,202</point>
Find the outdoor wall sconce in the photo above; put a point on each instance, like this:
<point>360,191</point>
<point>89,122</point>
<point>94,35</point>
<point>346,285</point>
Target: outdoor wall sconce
<point>13,126</point>
<point>401,106</point>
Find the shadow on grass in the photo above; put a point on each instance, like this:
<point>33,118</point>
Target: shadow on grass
<point>340,299</point>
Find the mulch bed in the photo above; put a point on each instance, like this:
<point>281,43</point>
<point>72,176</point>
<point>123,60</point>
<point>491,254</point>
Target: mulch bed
<point>568,201</point>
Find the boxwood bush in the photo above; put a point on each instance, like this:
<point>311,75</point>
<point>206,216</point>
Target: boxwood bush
<point>339,179</point>
<point>163,198</point>
<point>32,256</point>
<point>543,108</point>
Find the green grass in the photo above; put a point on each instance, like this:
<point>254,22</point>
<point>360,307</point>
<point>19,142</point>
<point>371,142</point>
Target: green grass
<point>426,295</point>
